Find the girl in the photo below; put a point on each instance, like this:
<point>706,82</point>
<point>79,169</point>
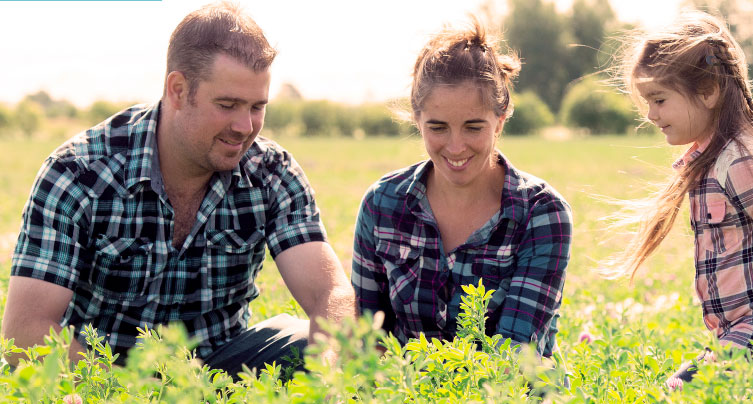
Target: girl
<point>466,213</point>
<point>691,80</point>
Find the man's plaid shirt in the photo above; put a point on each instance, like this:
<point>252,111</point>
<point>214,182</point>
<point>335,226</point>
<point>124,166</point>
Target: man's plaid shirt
<point>98,222</point>
<point>721,215</point>
<point>401,268</point>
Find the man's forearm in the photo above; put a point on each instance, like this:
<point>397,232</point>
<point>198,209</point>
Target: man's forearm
<point>33,333</point>
<point>334,307</point>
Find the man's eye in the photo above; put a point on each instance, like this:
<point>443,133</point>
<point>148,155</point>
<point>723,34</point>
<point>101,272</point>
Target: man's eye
<point>227,106</point>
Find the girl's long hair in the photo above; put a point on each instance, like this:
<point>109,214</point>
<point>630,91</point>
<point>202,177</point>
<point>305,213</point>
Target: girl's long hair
<point>692,56</point>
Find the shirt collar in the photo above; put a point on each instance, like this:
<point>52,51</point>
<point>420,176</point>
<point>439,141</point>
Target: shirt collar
<point>415,186</point>
<point>691,154</point>
<point>142,143</point>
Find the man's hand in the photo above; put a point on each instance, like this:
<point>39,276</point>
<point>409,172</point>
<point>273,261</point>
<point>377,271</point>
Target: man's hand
<point>316,280</point>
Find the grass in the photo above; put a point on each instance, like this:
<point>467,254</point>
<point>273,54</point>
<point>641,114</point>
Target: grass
<point>656,313</point>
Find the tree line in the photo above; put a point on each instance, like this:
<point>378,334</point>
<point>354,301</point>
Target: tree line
<point>565,56</point>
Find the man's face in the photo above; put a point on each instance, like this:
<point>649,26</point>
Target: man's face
<point>220,122</point>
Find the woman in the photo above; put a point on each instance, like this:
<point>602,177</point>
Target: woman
<point>466,213</point>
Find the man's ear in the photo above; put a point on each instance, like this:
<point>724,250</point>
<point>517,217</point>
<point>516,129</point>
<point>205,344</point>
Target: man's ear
<point>176,89</point>
<point>710,97</point>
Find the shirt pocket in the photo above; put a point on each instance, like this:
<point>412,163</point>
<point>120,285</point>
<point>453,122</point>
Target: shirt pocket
<point>231,255</point>
<point>719,233</point>
<point>402,265</point>
<point>495,271</point>
<point>122,268</point>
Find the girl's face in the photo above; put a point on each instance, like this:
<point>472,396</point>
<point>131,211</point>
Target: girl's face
<point>683,120</point>
<point>459,133</point>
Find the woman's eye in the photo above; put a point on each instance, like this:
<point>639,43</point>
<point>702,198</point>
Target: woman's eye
<point>659,102</point>
<point>436,128</point>
<point>474,128</point>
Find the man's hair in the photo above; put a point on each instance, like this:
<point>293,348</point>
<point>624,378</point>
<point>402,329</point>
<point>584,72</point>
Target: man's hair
<point>216,28</point>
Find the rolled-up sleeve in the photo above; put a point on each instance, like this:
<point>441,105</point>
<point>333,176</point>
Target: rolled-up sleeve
<point>536,286</point>
<point>53,237</point>
<point>293,215</point>
<point>368,274</point>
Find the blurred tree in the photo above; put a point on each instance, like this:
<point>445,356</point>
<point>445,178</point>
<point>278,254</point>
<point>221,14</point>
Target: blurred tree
<point>593,105</point>
<point>376,119</point>
<point>101,110</point>
<point>318,118</point>
<point>53,108</point>
<point>6,118</point>
<point>590,21</point>
<point>535,30</point>
<point>40,97</point>
<point>555,48</point>
<point>530,114</point>
<point>28,116</point>
<point>288,91</point>
<point>62,108</point>
<point>282,113</point>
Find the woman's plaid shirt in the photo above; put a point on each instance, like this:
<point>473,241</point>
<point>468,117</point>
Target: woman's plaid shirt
<point>721,215</point>
<point>400,267</point>
<point>98,222</point>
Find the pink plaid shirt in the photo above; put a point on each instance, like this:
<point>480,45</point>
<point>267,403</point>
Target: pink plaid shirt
<point>721,207</point>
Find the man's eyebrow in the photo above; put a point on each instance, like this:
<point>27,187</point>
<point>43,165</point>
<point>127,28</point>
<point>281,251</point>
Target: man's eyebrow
<point>239,100</point>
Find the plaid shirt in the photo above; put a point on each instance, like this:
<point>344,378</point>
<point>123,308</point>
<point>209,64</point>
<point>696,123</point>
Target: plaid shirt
<point>401,268</point>
<point>98,223</point>
<point>721,208</point>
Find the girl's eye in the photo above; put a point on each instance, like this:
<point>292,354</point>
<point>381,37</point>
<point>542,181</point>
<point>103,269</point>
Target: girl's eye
<point>659,102</point>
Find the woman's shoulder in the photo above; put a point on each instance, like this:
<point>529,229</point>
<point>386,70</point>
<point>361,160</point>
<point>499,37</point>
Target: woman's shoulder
<point>398,182</point>
<point>532,189</point>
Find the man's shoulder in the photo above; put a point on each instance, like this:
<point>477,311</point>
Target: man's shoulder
<point>109,138</point>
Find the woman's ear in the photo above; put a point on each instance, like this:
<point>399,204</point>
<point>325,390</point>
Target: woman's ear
<point>500,124</point>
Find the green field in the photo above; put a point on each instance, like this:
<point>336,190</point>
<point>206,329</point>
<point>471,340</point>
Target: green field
<point>644,330</point>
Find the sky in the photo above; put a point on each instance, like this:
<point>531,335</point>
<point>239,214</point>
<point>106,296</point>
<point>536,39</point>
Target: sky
<point>343,50</point>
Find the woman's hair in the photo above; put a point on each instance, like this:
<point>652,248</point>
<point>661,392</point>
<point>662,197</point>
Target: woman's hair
<point>216,28</point>
<point>692,56</point>
<point>453,57</point>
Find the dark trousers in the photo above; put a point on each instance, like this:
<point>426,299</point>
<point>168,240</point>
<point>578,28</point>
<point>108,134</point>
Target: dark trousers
<point>265,342</point>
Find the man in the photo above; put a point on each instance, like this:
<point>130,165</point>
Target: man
<point>160,214</point>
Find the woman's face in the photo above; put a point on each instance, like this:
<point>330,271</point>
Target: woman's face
<point>459,133</point>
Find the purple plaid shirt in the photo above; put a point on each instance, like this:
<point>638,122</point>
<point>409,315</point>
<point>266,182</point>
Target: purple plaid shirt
<point>401,268</point>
